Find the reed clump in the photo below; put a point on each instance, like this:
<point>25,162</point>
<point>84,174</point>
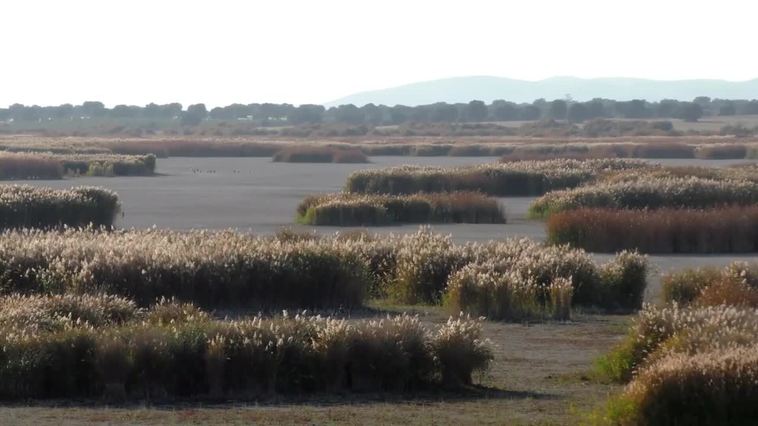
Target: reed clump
<point>715,230</point>
<point>735,285</point>
<point>522,178</point>
<point>48,165</point>
<point>319,154</point>
<point>197,356</point>
<point>650,193</point>
<point>24,206</point>
<point>694,365</point>
<point>346,209</point>
<point>212,269</point>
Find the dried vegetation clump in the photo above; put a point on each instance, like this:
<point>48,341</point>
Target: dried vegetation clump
<point>521,178</point>
<point>693,364</point>
<point>346,209</point>
<point>24,206</point>
<point>102,346</point>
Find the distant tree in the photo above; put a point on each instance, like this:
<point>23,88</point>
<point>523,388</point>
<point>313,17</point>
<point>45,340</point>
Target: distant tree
<point>63,111</point>
<point>690,111</point>
<point>750,108</point>
<point>444,112</point>
<point>667,108</point>
<point>595,108</point>
<point>501,110</point>
<point>124,111</point>
<point>577,112</point>
<point>5,114</point>
<point>727,109</point>
<point>400,114</point>
<point>194,115</point>
<point>558,109</point>
<point>306,114</point>
<point>530,113</point>
<point>349,114</point>
<point>274,112</point>
<point>476,111</point>
<point>635,108</point>
<point>373,114</point>
<point>93,109</point>
<point>19,112</point>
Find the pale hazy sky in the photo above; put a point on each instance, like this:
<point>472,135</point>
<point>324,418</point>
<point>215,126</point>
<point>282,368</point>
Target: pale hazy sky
<point>310,51</point>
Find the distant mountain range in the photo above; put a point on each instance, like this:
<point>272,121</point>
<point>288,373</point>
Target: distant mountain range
<point>486,88</point>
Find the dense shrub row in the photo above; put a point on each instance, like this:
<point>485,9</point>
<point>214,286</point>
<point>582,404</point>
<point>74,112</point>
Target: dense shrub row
<point>345,209</point>
<point>211,269</point>
<point>717,230</point>
<point>23,206</point>
<point>173,350</point>
<point>649,193</point>
<point>229,269</point>
<point>319,154</point>
<point>504,179</point>
<point>55,166</point>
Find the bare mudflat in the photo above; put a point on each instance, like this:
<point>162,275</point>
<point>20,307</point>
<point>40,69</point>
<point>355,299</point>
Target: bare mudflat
<point>261,196</point>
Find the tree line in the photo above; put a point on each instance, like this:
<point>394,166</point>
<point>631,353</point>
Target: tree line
<point>269,114</point>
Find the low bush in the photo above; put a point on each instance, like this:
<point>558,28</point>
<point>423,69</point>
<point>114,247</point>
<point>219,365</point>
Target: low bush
<point>718,230</point>
<point>319,154</point>
<point>344,209</point>
<point>431,150</point>
<point>47,165</point>
<point>503,179</point>
<point>734,285</point>
<point>245,358</point>
<point>658,332</point>
<point>470,150</point>
<point>29,166</point>
<point>23,206</point>
<point>683,287</point>
<point>424,264</point>
<point>497,292</point>
<point>649,193</point>
<point>714,388</point>
<point>108,165</point>
<point>721,151</point>
<point>33,313</point>
<point>615,128</point>
<point>193,148</point>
